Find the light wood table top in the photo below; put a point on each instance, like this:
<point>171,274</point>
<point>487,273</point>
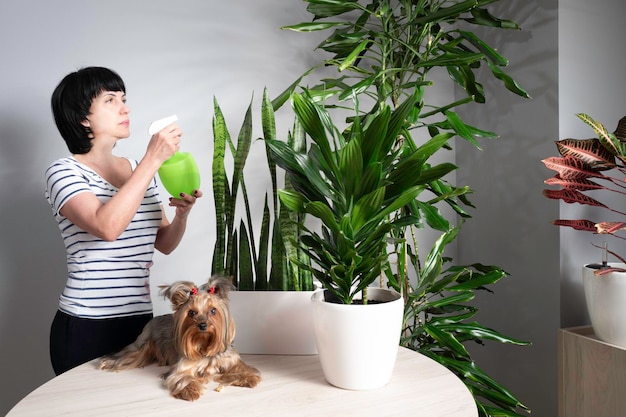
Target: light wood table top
<point>291,386</point>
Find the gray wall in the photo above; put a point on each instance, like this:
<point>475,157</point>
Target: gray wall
<point>591,80</point>
<point>511,227</point>
<point>175,58</point>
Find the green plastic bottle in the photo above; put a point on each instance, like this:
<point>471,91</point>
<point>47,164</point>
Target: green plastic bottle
<point>179,174</point>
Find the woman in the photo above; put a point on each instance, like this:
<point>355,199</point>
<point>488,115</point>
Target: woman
<point>110,216</point>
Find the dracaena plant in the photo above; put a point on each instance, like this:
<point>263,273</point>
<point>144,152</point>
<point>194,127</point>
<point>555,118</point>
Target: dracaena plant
<point>353,181</point>
<point>595,165</point>
<point>384,53</point>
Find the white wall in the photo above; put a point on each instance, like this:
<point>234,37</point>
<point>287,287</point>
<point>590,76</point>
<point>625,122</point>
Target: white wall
<point>174,57</point>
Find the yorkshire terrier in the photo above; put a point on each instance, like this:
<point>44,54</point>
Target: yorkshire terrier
<point>195,341</point>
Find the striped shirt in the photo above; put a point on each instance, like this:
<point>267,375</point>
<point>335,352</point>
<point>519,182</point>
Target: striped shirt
<point>105,279</point>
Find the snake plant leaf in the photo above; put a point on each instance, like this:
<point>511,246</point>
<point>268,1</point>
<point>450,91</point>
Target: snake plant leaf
<point>240,154</point>
<point>260,264</point>
<point>246,275</point>
<point>221,135</point>
<point>277,279</point>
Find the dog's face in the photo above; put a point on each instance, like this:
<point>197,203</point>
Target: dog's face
<point>203,325</point>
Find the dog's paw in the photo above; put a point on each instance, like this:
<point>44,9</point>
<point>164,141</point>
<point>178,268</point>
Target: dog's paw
<point>245,380</point>
<point>189,392</point>
<point>106,364</point>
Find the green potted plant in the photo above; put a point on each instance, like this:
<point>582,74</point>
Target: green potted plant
<point>271,304</point>
<point>384,52</point>
<point>353,181</point>
<point>588,169</point>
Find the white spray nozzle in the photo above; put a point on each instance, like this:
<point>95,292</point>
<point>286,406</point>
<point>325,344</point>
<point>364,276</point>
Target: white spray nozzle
<point>161,123</point>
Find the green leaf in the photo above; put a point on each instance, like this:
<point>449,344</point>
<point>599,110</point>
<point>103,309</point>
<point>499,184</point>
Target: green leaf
<point>220,137</point>
<point>246,276</point>
<point>313,27</point>
<point>484,18</point>
<point>356,53</point>
<point>489,52</point>
<point>509,82</point>
<point>477,331</point>
<point>448,340</point>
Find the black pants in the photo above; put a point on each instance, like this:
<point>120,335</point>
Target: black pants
<point>74,340</point>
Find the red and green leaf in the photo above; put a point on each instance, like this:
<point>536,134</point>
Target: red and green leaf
<point>610,227</point>
<point>584,225</point>
<point>575,184</point>
<point>589,151</point>
<point>572,196</point>
<point>570,168</point>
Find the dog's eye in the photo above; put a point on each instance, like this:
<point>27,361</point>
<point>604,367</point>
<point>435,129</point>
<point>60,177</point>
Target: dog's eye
<point>213,311</point>
<point>191,313</point>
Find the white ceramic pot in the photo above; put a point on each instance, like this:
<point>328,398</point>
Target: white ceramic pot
<point>606,303</point>
<point>273,322</point>
<point>358,344</point>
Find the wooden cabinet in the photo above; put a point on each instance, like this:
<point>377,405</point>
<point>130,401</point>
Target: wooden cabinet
<point>592,375</point>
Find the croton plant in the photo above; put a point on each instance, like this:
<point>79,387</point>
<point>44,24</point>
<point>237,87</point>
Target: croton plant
<point>591,164</point>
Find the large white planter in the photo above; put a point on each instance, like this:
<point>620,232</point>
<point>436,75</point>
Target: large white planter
<point>606,303</point>
<point>273,322</point>
<point>358,344</point>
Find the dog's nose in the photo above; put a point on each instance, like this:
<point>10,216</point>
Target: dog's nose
<point>202,326</point>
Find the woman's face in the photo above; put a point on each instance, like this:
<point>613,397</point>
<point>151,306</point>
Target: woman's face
<point>109,115</point>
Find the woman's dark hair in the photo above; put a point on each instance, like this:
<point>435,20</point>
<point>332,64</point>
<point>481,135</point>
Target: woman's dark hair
<point>71,101</point>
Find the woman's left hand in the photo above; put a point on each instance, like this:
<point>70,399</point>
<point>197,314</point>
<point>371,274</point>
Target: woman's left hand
<point>184,203</point>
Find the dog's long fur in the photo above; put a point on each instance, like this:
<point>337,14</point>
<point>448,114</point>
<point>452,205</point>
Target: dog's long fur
<point>195,341</point>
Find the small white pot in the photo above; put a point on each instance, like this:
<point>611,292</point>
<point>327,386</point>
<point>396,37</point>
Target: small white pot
<point>273,322</point>
<point>358,344</point>
<point>606,303</point>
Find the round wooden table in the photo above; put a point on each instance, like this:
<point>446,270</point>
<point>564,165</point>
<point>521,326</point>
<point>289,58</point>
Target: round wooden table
<point>291,386</point>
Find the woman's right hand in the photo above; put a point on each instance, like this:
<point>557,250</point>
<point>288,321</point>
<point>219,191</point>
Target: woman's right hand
<point>164,143</point>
